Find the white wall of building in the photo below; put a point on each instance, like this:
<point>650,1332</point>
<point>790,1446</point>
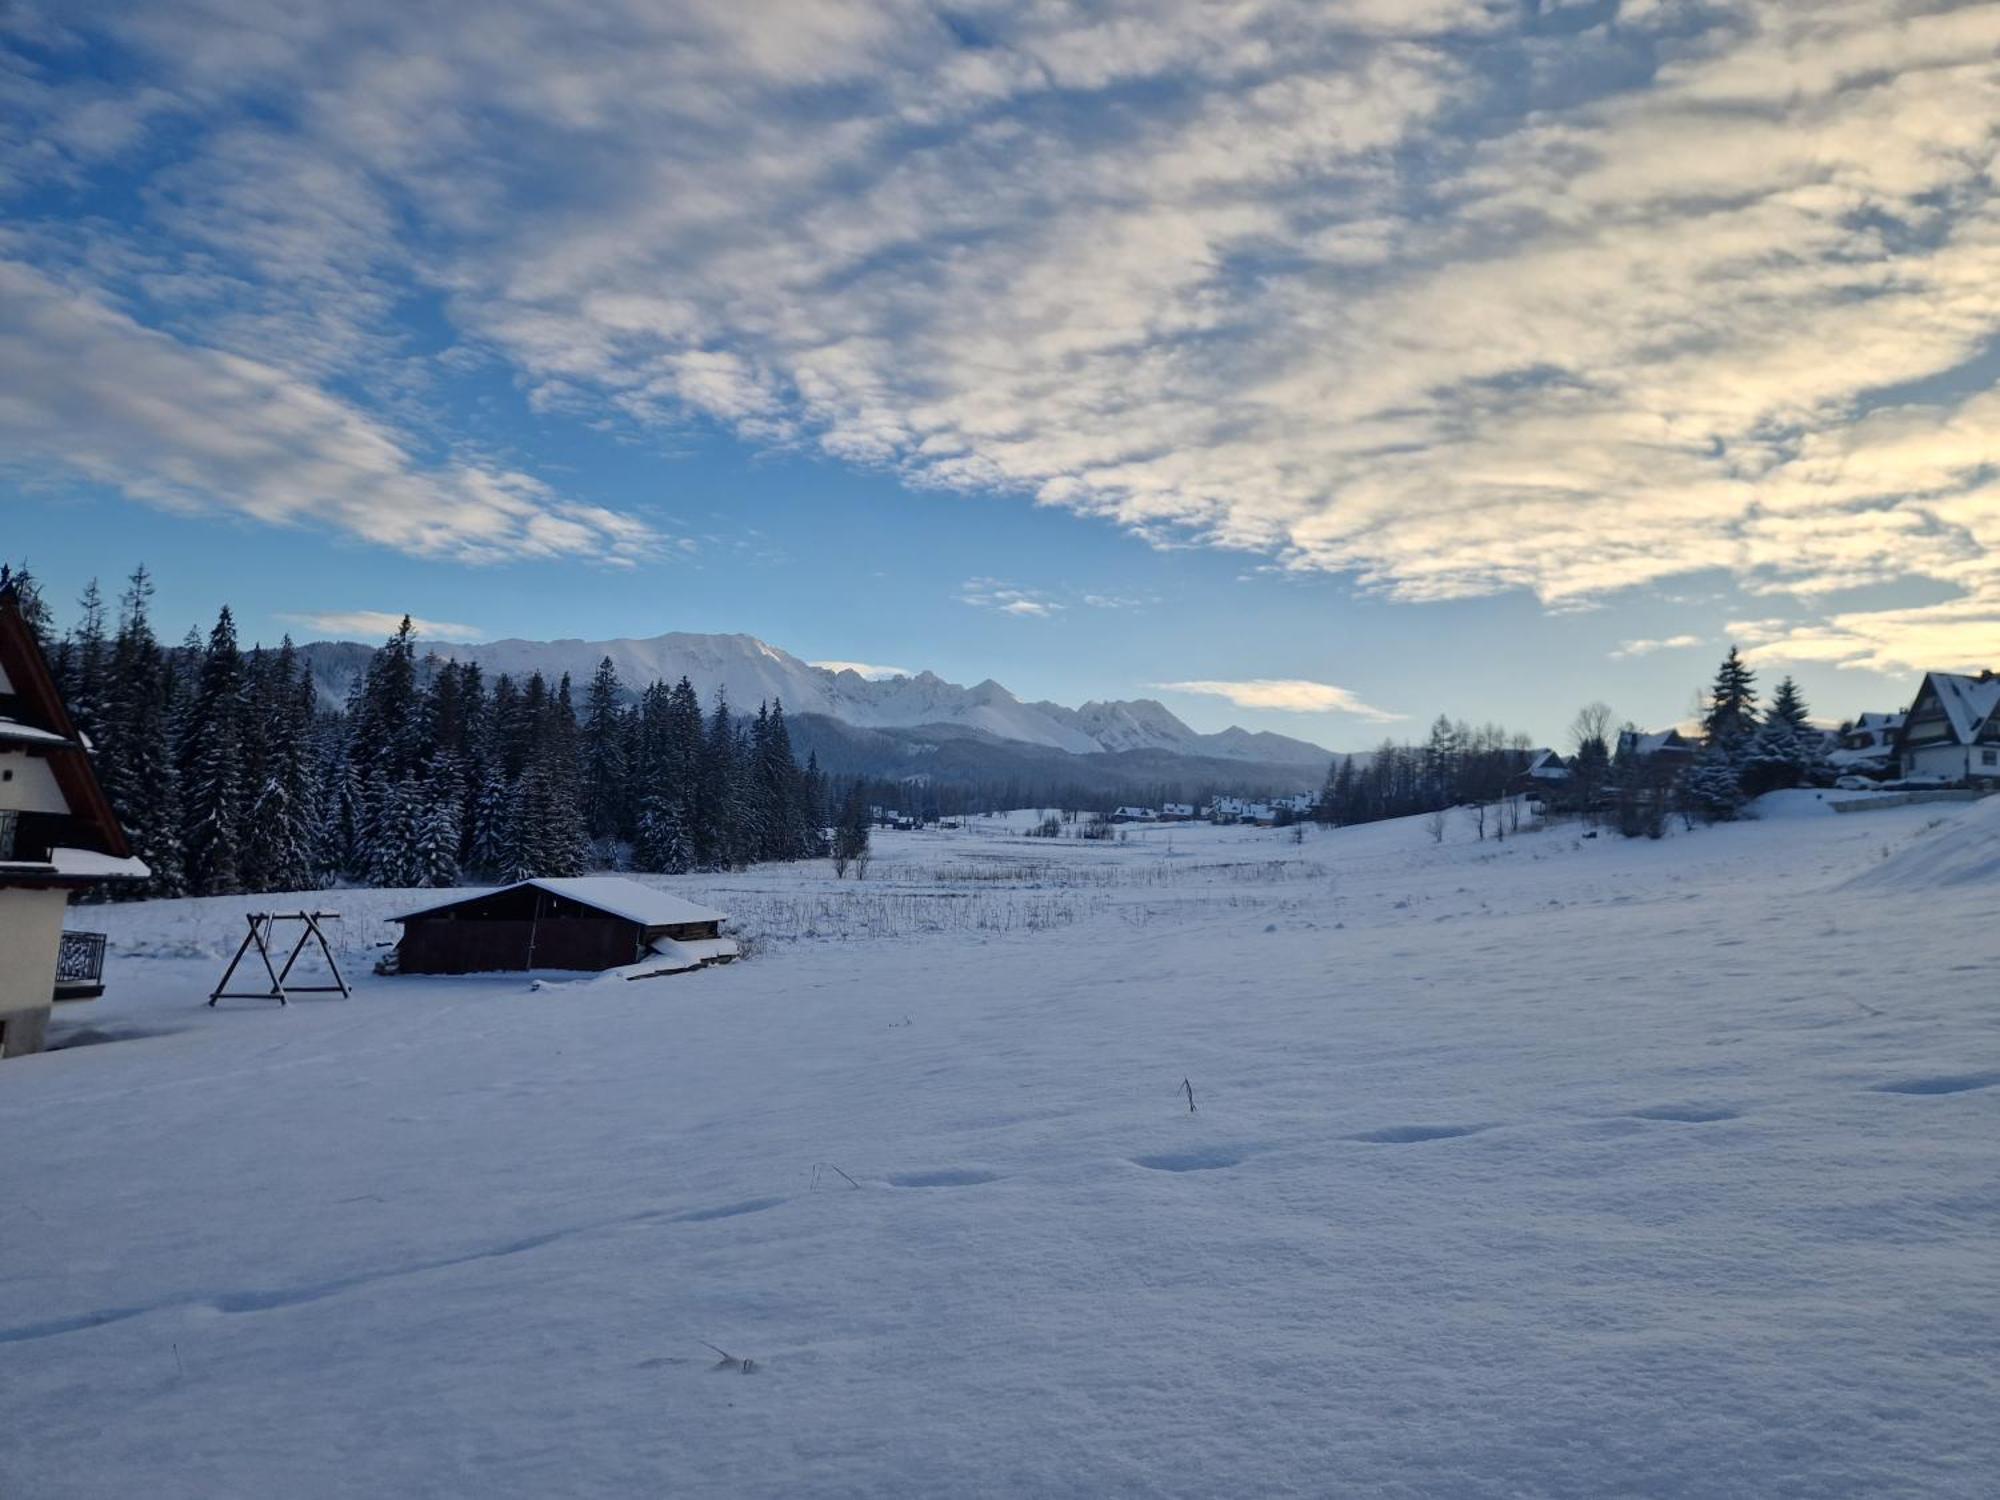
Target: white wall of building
<point>30,933</point>
<point>1955,762</point>
<point>31,786</point>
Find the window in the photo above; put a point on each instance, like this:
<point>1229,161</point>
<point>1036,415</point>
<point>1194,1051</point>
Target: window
<point>1989,757</point>
<point>8,823</point>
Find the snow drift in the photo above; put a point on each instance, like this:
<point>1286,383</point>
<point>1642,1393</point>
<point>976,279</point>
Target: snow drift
<point>1961,849</point>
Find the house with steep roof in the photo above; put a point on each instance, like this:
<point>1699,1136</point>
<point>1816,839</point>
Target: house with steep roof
<point>58,835</point>
<point>1952,730</point>
<point>1669,746</point>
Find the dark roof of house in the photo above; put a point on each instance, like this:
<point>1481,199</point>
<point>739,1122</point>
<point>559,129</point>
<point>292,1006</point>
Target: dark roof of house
<point>38,720</point>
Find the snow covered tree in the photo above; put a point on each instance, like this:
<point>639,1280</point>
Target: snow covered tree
<point>212,765</point>
<point>437,830</point>
<point>87,688</point>
<point>135,758</point>
<point>1712,786</point>
<point>395,834</point>
<point>1788,706</point>
<point>284,800</point>
<point>1732,704</point>
<point>605,772</point>
<point>1786,751</point>
<point>34,608</point>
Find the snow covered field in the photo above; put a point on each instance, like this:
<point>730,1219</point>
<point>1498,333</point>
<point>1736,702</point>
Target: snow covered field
<point>1559,1167</point>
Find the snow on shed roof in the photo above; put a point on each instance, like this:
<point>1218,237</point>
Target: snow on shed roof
<point>612,894</point>
<point>1968,701</point>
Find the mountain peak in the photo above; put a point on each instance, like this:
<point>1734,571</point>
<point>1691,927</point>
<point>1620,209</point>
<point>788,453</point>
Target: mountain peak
<point>747,671</point>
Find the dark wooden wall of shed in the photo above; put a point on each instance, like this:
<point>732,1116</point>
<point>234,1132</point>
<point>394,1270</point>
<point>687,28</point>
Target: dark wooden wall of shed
<point>440,945</point>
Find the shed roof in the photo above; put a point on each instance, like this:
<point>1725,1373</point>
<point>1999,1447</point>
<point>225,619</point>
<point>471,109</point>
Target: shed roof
<point>611,894</point>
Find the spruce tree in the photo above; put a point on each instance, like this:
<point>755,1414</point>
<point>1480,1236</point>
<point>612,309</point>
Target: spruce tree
<point>87,690</point>
<point>284,805</point>
<point>136,761</point>
<point>1732,712</point>
<point>1788,705</point>
<point>212,765</point>
<point>1713,786</point>
<point>438,831</point>
<point>604,764</point>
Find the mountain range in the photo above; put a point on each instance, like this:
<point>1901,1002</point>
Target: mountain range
<point>919,730</point>
<point>748,671</point>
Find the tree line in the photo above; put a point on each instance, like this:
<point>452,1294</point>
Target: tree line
<point>1457,765</point>
<point>230,775</point>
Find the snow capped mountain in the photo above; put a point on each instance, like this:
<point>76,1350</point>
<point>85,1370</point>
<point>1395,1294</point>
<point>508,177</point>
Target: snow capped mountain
<point>749,671</point>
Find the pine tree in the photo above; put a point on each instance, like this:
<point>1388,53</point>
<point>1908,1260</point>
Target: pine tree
<point>135,760</point>
<point>438,831</point>
<point>605,770</point>
<point>1788,706</point>
<point>284,804</point>
<point>1713,786</point>
<point>493,833</point>
<point>87,690</point>
<point>394,844</point>
<point>1732,713</point>
<point>212,765</point>
<point>1786,751</point>
<point>35,611</point>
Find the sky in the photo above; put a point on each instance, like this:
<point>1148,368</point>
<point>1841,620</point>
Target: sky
<point>1314,365</point>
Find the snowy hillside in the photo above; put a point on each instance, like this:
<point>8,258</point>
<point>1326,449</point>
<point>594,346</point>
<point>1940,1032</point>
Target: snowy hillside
<point>749,671</point>
<point>1561,1167</point>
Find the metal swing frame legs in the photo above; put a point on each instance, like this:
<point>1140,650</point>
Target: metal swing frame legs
<point>263,930</point>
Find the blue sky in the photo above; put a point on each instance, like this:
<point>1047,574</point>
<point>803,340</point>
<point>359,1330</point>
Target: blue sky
<point>1312,366</point>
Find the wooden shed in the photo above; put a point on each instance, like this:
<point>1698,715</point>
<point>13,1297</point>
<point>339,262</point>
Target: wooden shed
<point>590,922</point>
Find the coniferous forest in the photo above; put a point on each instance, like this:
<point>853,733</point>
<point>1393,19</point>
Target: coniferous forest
<point>229,775</point>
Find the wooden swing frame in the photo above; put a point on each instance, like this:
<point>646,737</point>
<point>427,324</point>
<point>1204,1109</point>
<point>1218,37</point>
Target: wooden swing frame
<point>262,936</point>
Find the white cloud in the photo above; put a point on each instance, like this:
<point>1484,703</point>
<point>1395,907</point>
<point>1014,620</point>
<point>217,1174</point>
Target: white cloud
<point>86,390</point>
<point>1647,647</point>
<point>1289,694</point>
<point>376,624</point>
<point>991,593</point>
<point>866,669</point>
<point>1312,277</point>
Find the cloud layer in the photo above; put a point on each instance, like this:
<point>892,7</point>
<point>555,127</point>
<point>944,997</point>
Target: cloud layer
<point>1286,694</point>
<point>869,670</point>
<point>1453,295</point>
<point>375,624</point>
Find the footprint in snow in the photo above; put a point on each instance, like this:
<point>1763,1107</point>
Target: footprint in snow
<point>1190,1161</point>
<point>726,1211</point>
<point>949,1177</point>
<point>1960,1083</point>
<point>1403,1135</point>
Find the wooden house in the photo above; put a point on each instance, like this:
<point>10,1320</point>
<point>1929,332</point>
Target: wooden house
<point>58,835</point>
<point>1952,731</point>
<point>592,922</point>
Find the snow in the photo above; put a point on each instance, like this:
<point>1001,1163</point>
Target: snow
<point>90,864</point>
<point>1949,851</point>
<point>646,905</point>
<point>1562,1167</point>
<point>12,731</point>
